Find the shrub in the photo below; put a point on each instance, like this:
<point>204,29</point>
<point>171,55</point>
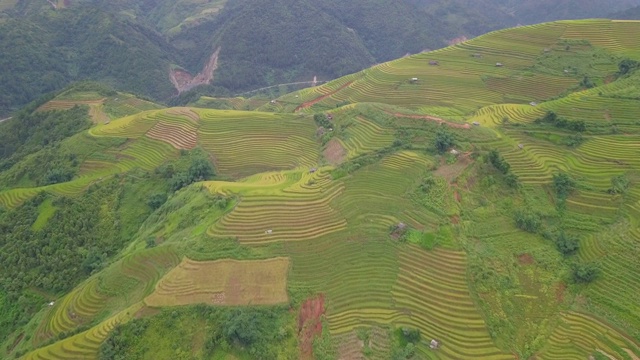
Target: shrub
<point>619,184</point>
<point>443,140</point>
<point>527,221</point>
<point>585,273</point>
<point>156,200</point>
<point>563,184</point>
<point>567,245</point>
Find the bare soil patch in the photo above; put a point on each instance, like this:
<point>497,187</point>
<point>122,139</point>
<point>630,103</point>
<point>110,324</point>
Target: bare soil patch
<point>334,152</point>
<point>318,99</point>
<point>452,171</point>
<point>146,311</point>
<point>183,81</point>
<point>458,40</point>
<point>525,259</point>
<point>185,112</point>
<point>433,118</point>
<point>310,324</point>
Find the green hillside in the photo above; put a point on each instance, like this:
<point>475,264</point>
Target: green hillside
<point>438,206</point>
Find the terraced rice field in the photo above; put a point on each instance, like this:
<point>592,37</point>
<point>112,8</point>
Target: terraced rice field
<point>86,344</point>
<point>365,136</point>
<point>274,207</point>
<point>432,288</point>
<point>223,282</point>
<point>248,143</point>
<point>580,335</point>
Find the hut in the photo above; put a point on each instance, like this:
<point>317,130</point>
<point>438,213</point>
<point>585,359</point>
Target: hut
<point>533,103</point>
<point>269,232</point>
<point>413,80</point>
<point>312,170</point>
<point>434,344</point>
<point>434,63</point>
<point>475,123</point>
<point>476,55</point>
<point>454,152</point>
<point>498,64</point>
<point>520,146</point>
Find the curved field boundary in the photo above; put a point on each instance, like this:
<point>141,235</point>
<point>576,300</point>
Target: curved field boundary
<point>309,104</point>
<point>223,282</point>
<point>86,344</point>
<point>580,335</point>
<point>432,287</point>
<point>295,209</point>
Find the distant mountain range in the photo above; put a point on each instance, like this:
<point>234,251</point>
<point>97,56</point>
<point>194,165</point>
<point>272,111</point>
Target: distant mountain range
<point>160,49</point>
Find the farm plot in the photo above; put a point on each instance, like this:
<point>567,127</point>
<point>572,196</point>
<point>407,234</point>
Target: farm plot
<point>245,143</point>
<point>466,77</point>
<point>580,336</point>
<point>432,288</point>
<point>363,136</point>
<point>290,206</point>
<point>223,282</point>
<point>86,344</point>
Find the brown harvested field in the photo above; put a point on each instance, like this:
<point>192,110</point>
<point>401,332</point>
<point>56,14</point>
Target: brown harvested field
<point>334,153</point>
<point>68,104</point>
<point>223,282</point>
<point>180,137</point>
<point>310,324</point>
<point>186,112</point>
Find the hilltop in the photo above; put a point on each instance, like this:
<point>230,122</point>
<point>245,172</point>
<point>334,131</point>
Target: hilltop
<point>478,201</point>
<point>173,51</point>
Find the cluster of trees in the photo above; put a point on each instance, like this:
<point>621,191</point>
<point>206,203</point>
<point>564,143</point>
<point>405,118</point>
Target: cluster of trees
<point>49,50</point>
<point>260,332</point>
<point>559,122</point>
<point>552,118</point>
<point>443,140</point>
<point>503,167</point>
<point>30,150</point>
<point>193,166</point>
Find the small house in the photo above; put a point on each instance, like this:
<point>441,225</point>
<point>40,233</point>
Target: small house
<point>413,80</point>
<point>499,64</point>
<point>520,146</point>
<point>269,232</point>
<point>52,303</point>
<point>434,344</point>
<point>476,55</point>
<point>533,103</point>
<point>454,152</point>
<point>566,71</point>
<point>273,101</point>
<point>475,123</point>
<point>434,63</point>
<point>312,170</point>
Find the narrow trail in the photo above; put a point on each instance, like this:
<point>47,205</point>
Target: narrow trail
<point>318,99</point>
<point>313,82</point>
<point>3,120</point>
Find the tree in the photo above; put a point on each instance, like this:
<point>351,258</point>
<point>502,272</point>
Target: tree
<point>443,140</point>
<point>156,200</point>
<point>585,273</point>
<point>567,245</point>
<point>563,184</point>
<point>527,221</point>
<point>200,169</point>
<point>627,66</point>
